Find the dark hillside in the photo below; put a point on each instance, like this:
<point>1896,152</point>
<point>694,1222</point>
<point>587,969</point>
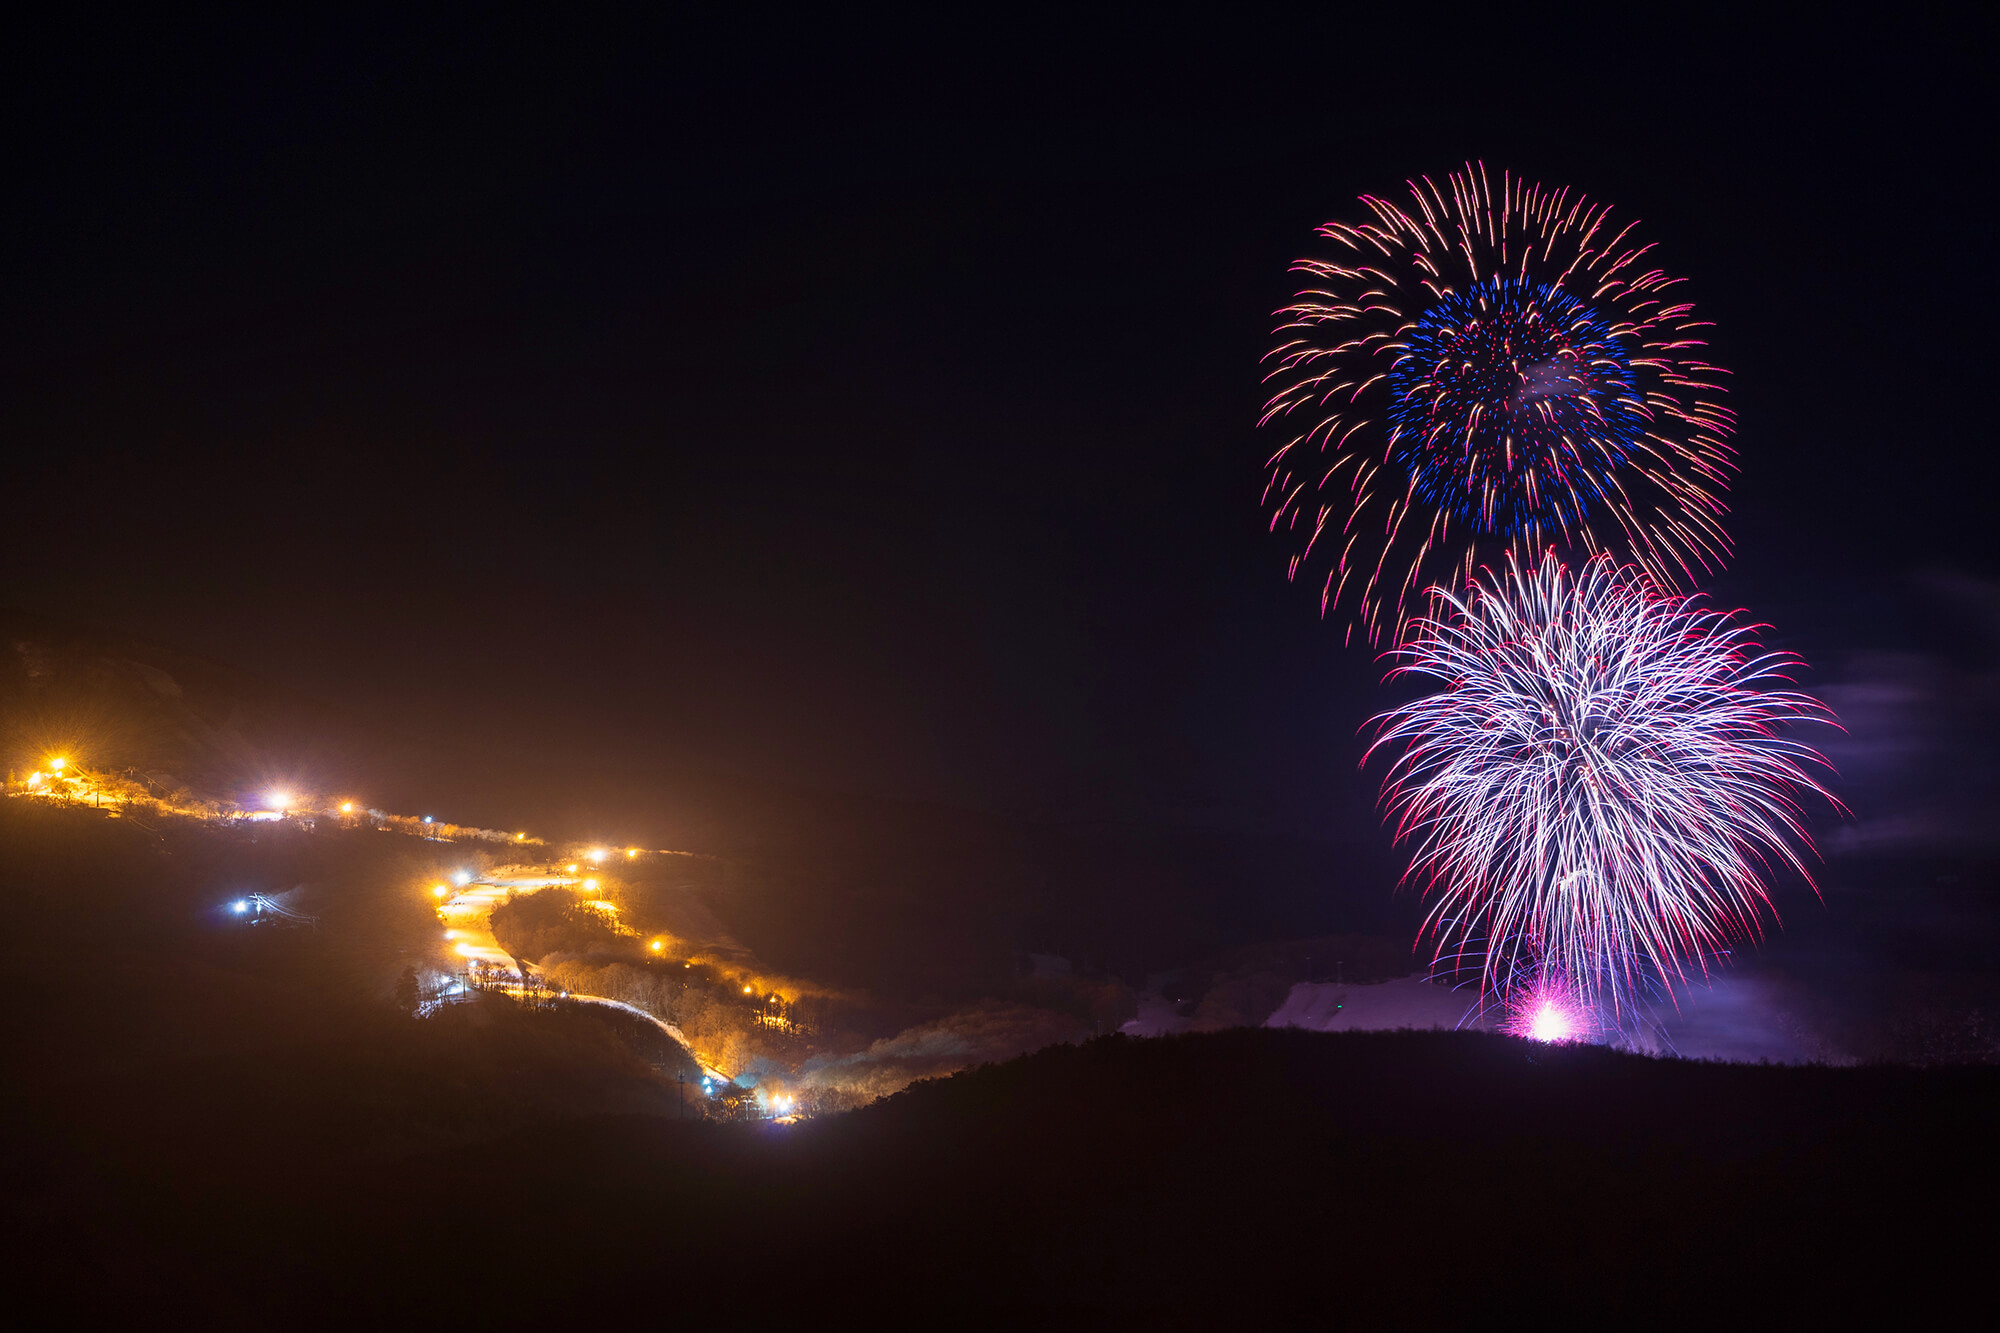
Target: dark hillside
<point>1325,1181</point>
<point>170,1068</point>
<point>239,1124</point>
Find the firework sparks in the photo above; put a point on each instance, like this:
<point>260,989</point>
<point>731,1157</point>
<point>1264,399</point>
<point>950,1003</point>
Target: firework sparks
<point>1550,1022</point>
<point>1594,793</point>
<point>1478,371</point>
<point>1547,1009</point>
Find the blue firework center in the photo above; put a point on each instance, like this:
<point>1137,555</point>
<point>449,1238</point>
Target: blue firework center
<point>1514,405</point>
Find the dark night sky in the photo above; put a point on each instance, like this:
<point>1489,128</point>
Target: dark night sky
<point>871,406</point>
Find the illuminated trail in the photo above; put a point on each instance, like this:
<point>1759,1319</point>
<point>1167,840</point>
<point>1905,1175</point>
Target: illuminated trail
<point>708,1070</point>
<point>464,903</point>
<point>467,915</point>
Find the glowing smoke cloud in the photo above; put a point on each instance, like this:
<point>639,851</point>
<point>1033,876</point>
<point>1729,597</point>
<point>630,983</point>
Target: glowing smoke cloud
<point>1595,790</point>
<point>1475,372</point>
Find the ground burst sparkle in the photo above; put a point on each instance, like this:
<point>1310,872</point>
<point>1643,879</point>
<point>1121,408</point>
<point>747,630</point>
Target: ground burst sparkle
<point>1545,1007</point>
<point>1478,371</point>
<point>1594,794</point>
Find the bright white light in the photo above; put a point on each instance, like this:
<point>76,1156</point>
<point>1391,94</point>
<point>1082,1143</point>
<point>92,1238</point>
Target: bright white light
<point>1550,1023</point>
<point>239,907</point>
<point>463,877</point>
<point>591,885</point>
<point>427,819</point>
<point>347,807</point>
<point>597,854</point>
<point>279,800</point>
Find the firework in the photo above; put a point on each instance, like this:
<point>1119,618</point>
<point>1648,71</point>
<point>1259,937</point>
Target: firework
<point>1476,371</point>
<point>1547,1009</point>
<point>1596,791</point>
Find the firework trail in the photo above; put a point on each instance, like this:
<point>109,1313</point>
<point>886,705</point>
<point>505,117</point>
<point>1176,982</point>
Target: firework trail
<point>1476,371</point>
<point>1594,792</point>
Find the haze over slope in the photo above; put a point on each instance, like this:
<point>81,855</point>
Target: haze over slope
<point>901,897</point>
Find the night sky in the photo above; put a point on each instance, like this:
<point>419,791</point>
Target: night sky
<point>870,406</point>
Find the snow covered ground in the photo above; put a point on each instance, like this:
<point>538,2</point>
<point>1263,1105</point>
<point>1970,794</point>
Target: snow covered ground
<point>1332,1007</point>
<point>1407,1002</point>
<point>1157,1018</point>
<point>1738,1019</point>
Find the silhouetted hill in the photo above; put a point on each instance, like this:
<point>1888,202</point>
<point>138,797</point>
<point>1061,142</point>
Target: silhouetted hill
<point>1365,1180</point>
<point>236,1127</point>
<point>172,1069</point>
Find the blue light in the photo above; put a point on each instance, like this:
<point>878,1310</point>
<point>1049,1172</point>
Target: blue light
<point>239,907</point>
<point>427,819</point>
<point>1512,404</point>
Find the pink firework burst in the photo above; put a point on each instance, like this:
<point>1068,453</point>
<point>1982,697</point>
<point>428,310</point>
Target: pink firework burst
<point>1547,1010</point>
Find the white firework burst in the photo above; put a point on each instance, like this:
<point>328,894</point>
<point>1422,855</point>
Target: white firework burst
<point>1602,782</point>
